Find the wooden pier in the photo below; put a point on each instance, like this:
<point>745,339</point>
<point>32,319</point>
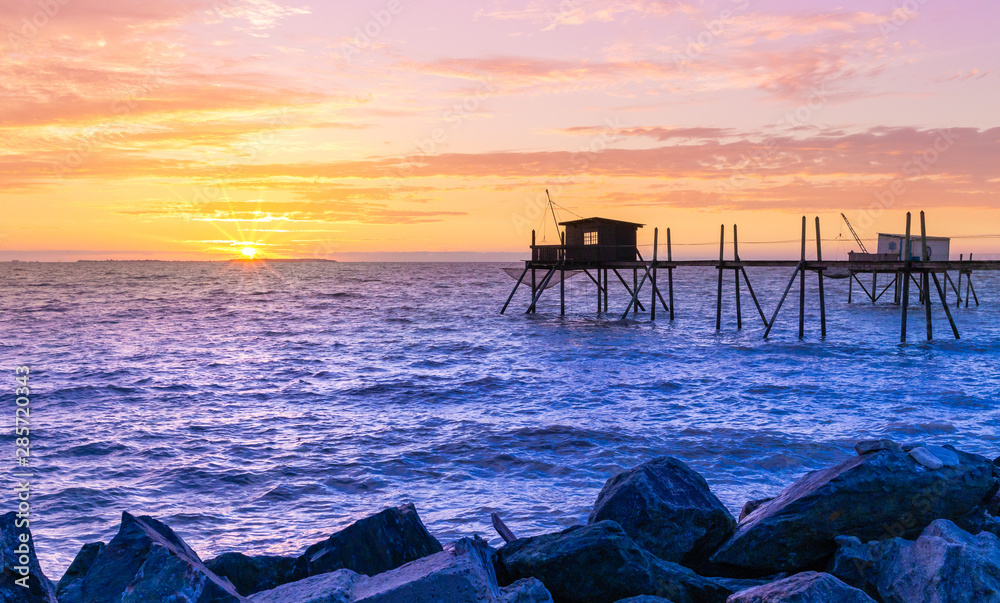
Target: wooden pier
<point>602,248</point>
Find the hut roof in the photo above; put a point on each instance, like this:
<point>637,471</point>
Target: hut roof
<point>604,220</point>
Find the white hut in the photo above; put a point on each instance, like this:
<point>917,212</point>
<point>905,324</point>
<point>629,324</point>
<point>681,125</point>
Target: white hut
<point>937,247</point>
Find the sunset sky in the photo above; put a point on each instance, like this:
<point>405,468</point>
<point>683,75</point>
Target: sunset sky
<point>192,129</point>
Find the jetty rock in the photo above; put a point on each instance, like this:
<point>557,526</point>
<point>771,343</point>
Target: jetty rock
<point>668,509</point>
<point>252,574</point>
<point>40,589</point>
<point>945,563</point>
<point>878,495</point>
<point>463,573</point>
<point>147,561</point>
<point>807,587</point>
<point>370,546</point>
<point>601,563</point>
<point>72,579</point>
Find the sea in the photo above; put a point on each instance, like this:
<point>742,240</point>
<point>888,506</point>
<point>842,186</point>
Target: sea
<point>261,406</point>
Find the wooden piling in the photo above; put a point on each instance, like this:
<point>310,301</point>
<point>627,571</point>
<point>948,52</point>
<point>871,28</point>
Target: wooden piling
<point>802,283</point>
<point>562,276</point>
<point>534,286</point>
<point>605,289</point>
<point>718,301</point>
<point>907,259</point>
<point>652,299</point>
<point>670,276</point>
<point>819,273</point>
<point>926,276</point>
<point>736,275</point>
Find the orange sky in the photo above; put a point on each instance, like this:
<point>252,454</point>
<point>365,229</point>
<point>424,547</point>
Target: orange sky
<point>193,129</point>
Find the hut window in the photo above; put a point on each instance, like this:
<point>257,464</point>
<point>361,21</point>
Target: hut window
<point>590,238</point>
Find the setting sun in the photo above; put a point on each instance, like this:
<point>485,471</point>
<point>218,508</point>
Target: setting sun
<point>249,252</point>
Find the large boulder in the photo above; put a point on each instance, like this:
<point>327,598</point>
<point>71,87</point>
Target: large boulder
<point>72,580</point>
<point>881,494</point>
<point>252,574</point>
<point>668,509</point>
<point>945,563</point>
<point>370,546</point>
<point>807,587</point>
<point>147,561</point>
<point>20,565</point>
<point>600,563</point>
<point>462,574</point>
<point>643,599</point>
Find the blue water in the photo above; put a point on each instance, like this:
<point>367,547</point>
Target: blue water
<point>260,407</point>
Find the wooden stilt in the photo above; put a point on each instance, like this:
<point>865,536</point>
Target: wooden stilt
<point>850,285</point>
<point>534,285</point>
<point>541,289</point>
<point>926,276</point>
<point>514,290</point>
<point>670,276</point>
<point>895,295</point>
<point>627,288</point>
<point>802,284</point>
<point>944,303</point>
<point>718,302</point>
<point>874,285</point>
<point>562,276</point>
<point>819,273</point>
<point>753,296</point>
<point>652,299</point>
<point>907,259</point>
<point>635,295</point>
<point>635,284</point>
<point>784,295</point>
<point>605,289</point>
<point>736,275</point>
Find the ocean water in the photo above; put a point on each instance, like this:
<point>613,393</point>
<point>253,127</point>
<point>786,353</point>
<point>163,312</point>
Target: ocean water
<point>259,407</point>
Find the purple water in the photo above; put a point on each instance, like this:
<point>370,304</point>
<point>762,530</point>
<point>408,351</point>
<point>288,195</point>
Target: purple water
<point>260,407</point>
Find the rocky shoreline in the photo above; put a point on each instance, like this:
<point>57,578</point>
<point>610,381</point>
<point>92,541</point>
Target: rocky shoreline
<point>896,524</point>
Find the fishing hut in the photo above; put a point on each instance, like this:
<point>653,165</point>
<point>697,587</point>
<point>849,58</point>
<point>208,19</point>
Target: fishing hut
<point>602,248</point>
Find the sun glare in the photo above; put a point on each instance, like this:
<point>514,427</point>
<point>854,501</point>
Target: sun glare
<point>249,252</point>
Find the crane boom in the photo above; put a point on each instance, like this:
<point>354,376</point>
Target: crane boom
<point>856,237</point>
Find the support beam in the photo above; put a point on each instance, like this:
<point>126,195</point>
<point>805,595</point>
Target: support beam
<point>736,275</point>
<point>718,301</point>
<point>627,288</point>
<point>670,276</point>
<point>819,273</point>
<point>908,259</point>
<point>514,290</point>
<point>926,277</point>
<point>944,303</point>
<point>774,316</point>
<point>541,289</point>
<point>802,284</point>
<point>652,299</point>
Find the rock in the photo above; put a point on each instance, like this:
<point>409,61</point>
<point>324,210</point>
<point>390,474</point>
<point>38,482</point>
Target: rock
<point>251,575</point>
<point>643,599</point>
<point>370,546</point>
<point>875,496</point>
<point>996,461</point>
<point>668,509</point>
<point>994,505</point>
<point>12,538</point>
<point>944,564</point>
<point>908,446</point>
<point>72,579</point>
<point>753,505</point>
<point>926,458</point>
<point>462,574</point>
<point>600,563</point>
<point>147,561</point>
<point>332,587</point>
<point>869,446</point>
<point>807,587</point>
